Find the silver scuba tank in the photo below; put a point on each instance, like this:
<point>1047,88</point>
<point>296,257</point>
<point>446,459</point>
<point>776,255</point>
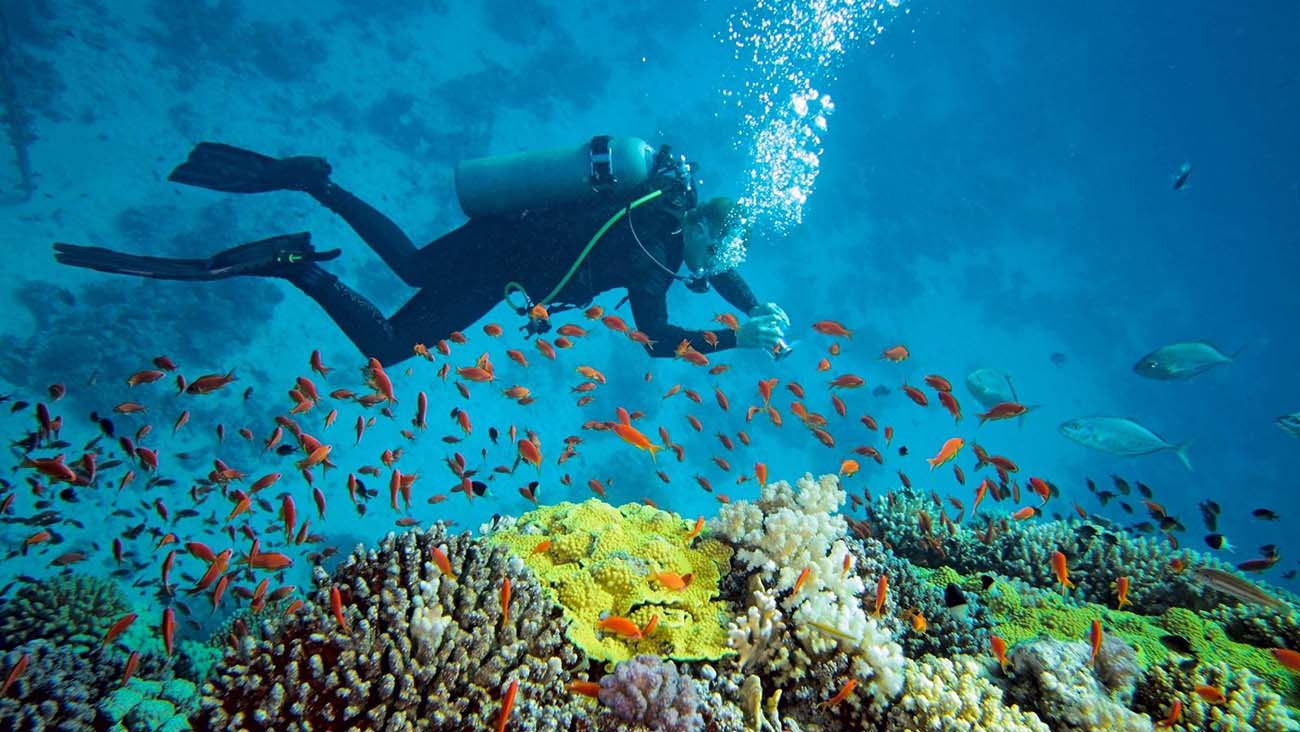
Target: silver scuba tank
<point>599,169</point>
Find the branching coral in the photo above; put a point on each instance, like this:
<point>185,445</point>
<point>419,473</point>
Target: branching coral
<point>951,695</point>
<point>417,649</point>
<point>71,611</point>
<point>648,691</point>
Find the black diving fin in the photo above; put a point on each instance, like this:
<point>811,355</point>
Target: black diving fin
<point>220,167</point>
<point>277,256</point>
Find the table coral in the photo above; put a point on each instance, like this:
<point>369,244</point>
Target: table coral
<point>602,561</point>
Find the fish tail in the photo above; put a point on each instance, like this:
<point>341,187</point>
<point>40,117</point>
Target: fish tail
<point>1181,451</point>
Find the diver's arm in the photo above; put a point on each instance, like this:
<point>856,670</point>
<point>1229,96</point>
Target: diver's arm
<point>650,311</point>
<point>733,289</point>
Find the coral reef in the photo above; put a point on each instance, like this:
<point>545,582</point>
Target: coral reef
<point>602,561</point>
<point>1055,679</point>
<point>648,691</point>
<point>59,689</point>
<point>1098,555</point>
<point>149,706</point>
<point>1248,706</point>
<point>951,695</point>
<point>73,611</point>
<point>410,647</point>
<point>824,638</point>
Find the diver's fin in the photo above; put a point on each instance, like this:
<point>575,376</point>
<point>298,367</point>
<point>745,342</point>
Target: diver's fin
<point>220,167</point>
<point>276,256</point>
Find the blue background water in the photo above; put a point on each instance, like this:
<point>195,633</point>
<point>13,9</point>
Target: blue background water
<point>995,188</point>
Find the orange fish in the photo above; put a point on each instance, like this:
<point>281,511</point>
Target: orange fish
<point>896,354</point>
<point>1025,513</point>
<point>650,625</point>
<point>1121,593</point>
<point>209,383</point>
<point>336,604</point>
<point>882,589</point>
<point>621,626</point>
<point>916,395</point>
<point>847,381</point>
<point>635,438</point>
<point>849,468</point>
<point>1211,694</point>
<point>1175,714</point>
<point>674,581</point>
<point>949,451</point>
<point>1061,569</point>
<point>505,600</point>
<point>118,628</point>
<point>271,561</point>
<point>1287,658</point>
<point>507,701</point>
<point>694,532</point>
<point>441,561</point>
<point>542,547</point>
<point>832,328</point>
<point>938,383</point>
<point>529,453</point>
<point>168,630</point>
<point>1003,410</point>
<point>1094,640</point>
<point>15,672</point>
<point>841,695</point>
<point>586,688</point>
<point>728,320</point>
<point>999,648</point>
<point>760,472</point>
<point>132,663</point>
<point>950,403</point>
<point>798,583</point>
<point>918,621</point>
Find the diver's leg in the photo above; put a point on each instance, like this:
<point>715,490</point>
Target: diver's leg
<point>385,237</point>
<point>431,314</point>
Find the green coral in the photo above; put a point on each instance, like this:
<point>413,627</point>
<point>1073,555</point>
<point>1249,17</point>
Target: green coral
<point>1020,615</point>
<point>602,561</point>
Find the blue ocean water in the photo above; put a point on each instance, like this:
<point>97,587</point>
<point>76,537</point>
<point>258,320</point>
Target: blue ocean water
<point>992,185</point>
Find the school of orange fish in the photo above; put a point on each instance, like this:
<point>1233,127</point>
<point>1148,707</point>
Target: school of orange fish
<point>254,559</point>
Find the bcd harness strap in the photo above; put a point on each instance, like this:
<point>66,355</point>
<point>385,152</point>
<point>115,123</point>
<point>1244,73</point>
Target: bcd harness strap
<point>515,287</point>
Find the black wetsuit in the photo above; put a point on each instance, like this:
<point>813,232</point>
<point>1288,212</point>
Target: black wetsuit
<point>462,275</point>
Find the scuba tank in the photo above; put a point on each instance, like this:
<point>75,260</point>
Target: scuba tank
<point>603,168</point>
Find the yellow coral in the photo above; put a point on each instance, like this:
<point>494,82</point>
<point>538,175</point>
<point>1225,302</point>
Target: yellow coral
<point>602,561</point>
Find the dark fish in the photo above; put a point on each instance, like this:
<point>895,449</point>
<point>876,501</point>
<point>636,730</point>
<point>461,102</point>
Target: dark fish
<point>186,513</point>
<point>1210,515</point>
<point>18,406</point>
<point>75,522</point>
<point>1289,574</point>
<point>1126,506</point>
<point>248,393</point>
<point>987,581</point>
<point>109,464</point>
<point>106,426</point>
<point>123,513</point>
<point>902,450</point>
<point>1110,539</point>
<point>1169,523</point>
<point>1256,565</point>
<point>133,532</point>
<point>1177,644</point>
<point>69,495</point>
<point>1217,542</point>
<point>1144,489</point>
<point>1270,551</point>
<point>1265,514</point>
<point>1105,496</point>
<point>1145,527</point>
<point>1087,531</point>
<point>1121,485</point>
<point>43,504</point>
<point>1092,487</point>
<point>1057,358</point>
<point>1189,665</point>
<point>479,487</point>
<point>285,449</point>
<point>880,390</point>
<point>955,600</point>
<point>493,434</point>
<point>1180,178</point>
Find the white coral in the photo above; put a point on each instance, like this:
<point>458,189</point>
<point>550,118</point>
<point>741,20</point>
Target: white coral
<point>951,695</point>
<point>428,624</point>
<point>750,635</point>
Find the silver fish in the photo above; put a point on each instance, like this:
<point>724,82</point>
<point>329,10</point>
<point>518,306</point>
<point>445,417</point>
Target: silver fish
<point>1237,587</point>
<point>1120,436</point>
<point>1180,361</point>
<point>1290,424</point>
<point>991,387</point>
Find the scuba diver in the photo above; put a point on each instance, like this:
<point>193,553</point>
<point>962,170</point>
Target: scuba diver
<point>568,223</point>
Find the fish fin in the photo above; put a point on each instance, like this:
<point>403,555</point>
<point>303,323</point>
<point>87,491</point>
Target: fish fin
<point>1181,451</point>
<point>1012,384</point>
<point>1237,352</point>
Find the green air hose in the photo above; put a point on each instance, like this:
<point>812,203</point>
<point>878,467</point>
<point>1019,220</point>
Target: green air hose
<point>513,287</point>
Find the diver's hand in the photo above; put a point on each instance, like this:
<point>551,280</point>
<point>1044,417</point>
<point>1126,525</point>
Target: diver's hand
<point>763,332</point>
<point>771,308</point>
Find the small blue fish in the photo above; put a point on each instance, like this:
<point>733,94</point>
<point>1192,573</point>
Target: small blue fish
<point>1180,178</point>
